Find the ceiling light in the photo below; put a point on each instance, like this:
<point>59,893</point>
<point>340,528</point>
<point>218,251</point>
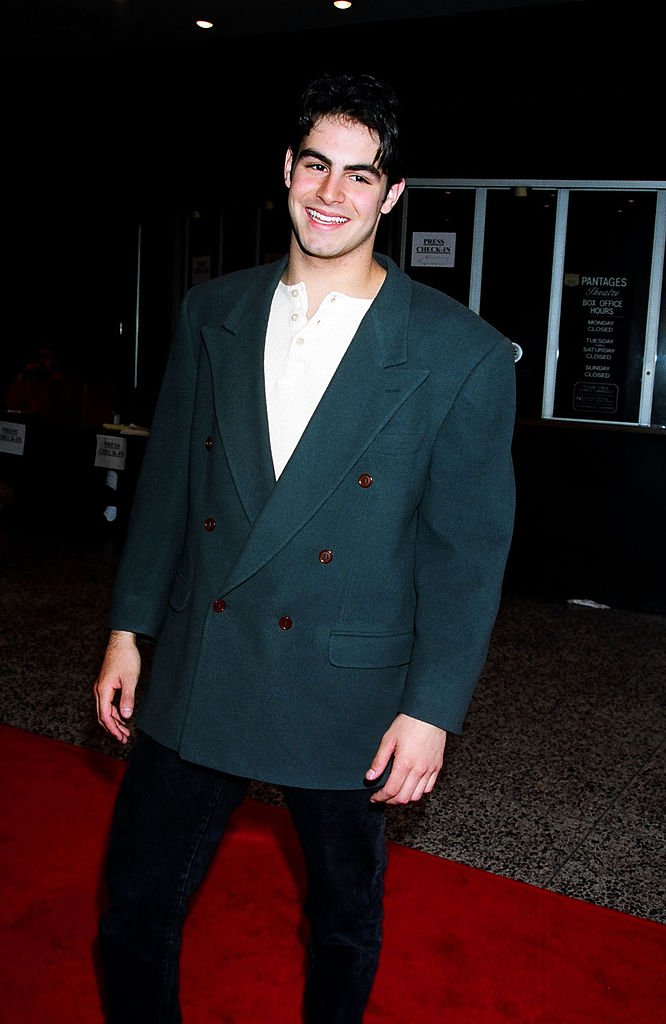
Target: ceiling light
<point>201,23</point>
<point>342,5</point>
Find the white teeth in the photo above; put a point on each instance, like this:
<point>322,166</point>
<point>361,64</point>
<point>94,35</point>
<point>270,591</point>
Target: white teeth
<point>326,220</point>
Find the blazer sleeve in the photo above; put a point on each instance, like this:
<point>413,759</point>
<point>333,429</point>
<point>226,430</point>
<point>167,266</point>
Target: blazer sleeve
<point>158,518</point>
<point>463,539</point>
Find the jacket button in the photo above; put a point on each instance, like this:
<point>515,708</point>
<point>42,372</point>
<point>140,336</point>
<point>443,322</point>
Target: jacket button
<point>219,605</point>
<point>325,556</point>
<point>209,524</point>
<point>365,480</point>
<point>208,443</point>
<point>285,622</point>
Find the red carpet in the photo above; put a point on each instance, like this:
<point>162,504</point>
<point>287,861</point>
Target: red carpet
<point>461,947</point>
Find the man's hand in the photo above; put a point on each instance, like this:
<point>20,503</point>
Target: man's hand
<point>417,749</point>
<point>119,672</point>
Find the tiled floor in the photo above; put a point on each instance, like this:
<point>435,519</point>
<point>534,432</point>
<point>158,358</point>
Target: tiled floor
<point>558,781</point>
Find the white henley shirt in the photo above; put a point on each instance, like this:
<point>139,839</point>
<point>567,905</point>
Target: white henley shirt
<point>300,358</point>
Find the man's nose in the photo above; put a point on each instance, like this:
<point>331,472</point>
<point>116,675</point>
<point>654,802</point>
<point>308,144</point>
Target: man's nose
<point>331,189</point>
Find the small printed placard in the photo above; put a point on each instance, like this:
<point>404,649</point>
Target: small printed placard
<point>433,249</point>
<point>200,269</point>
<point>12,437</point>
<point>110,451</point>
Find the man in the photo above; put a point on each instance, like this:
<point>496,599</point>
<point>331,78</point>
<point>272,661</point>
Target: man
<point>317,543</point>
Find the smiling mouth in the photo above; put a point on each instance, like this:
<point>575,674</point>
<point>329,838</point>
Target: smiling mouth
<point>320,218</point>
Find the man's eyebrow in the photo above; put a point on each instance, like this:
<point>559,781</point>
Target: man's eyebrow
<point>314,154</point>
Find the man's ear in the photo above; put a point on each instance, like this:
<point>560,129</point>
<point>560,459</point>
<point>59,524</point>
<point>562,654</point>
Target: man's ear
<point>288,161</point>
<point>393,195</point>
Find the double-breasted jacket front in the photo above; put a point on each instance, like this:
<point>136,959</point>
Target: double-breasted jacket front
<point>294,619</point>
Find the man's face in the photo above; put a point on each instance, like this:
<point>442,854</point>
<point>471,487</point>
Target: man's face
<point>336,194</point>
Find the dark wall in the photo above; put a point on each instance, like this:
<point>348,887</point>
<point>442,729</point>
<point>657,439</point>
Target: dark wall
<point>550,91</point>
<point>103,139</point>
<point>109,140</point>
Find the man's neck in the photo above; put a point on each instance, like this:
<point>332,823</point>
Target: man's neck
<point>361,279</point>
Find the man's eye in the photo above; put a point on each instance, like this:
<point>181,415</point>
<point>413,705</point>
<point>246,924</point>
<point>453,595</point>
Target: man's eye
<point>317,167</point>
<point>360,178</point>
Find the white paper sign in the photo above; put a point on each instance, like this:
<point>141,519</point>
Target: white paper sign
<point>200,269</point>
<point>12,437</point>
<point>433,248</point>
<point>110,451</point>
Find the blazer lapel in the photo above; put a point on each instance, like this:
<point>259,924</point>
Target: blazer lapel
<point>370,384</point>
<point>236,354</point>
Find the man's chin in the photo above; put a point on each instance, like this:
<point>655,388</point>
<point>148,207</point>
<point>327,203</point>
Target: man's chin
<point>320,251</point>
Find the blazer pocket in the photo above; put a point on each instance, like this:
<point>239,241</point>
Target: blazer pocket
<point>180,592</point>
<point>393,443</point>
<point>370,650</point>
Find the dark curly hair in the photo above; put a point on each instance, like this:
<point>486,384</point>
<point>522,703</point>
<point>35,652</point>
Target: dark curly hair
<point>357,97</point>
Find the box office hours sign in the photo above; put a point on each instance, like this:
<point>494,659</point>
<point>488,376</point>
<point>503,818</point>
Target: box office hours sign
<point>594,344</point>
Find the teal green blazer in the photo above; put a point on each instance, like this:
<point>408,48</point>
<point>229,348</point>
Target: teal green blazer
<point>294,619</point>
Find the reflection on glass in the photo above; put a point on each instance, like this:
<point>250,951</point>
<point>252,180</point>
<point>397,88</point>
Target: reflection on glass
<point>515,290</point>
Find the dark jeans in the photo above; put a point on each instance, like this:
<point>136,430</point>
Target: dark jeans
<point>169,818</point>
